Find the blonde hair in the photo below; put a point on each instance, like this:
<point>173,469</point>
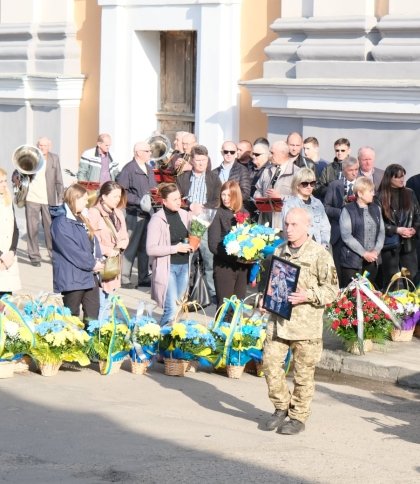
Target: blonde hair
<point>7,196</point>
<point>235,195</point>
<point>303,175</point>
<point>362,184</point>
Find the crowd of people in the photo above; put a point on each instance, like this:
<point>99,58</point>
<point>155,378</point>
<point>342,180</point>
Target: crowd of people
<point>340,218</point>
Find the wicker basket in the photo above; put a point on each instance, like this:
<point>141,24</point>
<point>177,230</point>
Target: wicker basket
<point>174,367</point>
<point>139,367</point>
<point>402,335</point>
<point>234,371</point>
<point>115,367</point>
<point>22,364</point>
<point>354,349</point>
<point>49,369</point>
<point>6,369</point>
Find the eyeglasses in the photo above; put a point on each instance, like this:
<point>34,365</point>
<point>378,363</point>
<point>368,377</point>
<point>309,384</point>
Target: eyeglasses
<point>340,151</point>
<point>257,154</point>
<point>228,152</point>
<point>307,184</point>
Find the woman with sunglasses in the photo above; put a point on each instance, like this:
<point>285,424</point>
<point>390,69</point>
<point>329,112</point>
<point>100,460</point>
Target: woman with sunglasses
<point>303,185</point>
<point>362,231</point>
<point>401,214</point>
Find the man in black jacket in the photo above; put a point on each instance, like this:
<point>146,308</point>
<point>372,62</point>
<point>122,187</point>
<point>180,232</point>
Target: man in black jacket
<point>201,188</point>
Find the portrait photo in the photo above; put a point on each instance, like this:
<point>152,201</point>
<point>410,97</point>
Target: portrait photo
<point>281,282</point>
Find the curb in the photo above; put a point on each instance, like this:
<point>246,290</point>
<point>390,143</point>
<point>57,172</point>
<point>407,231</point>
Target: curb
<point>341,362</point>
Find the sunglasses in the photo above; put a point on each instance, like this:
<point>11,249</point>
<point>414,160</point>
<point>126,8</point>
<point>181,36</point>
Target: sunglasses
<point>257,154</point>
<point>308,184</point>
<point>340,151</point>
<point>228,152</point>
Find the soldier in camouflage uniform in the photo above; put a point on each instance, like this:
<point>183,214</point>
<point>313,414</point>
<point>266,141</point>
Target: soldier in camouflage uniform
<point>317,286</point>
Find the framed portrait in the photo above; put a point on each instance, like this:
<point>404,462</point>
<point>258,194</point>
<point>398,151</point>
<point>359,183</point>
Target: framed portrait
<point>281,282</point>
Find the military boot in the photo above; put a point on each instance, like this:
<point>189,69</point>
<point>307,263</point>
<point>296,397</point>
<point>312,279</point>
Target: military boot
<point>276,419</point>
<point>291,427</point>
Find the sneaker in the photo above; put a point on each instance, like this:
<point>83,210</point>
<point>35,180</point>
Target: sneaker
<point>276,419</point>
<point>291,427</point>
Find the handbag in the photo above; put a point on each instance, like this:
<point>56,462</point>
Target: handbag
<point>112,268</point>
<point>112,265</point>
<point>199,291</point>
<point>391,242</point>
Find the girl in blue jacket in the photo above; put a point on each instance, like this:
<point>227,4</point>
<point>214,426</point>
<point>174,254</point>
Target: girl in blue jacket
<point>76,254</point>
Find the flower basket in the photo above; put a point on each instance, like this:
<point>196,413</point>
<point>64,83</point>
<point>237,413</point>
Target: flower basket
<point>50,368</point>
<point>139,367</point>
<point>234,371</point>
<point>353,346</point>
<point>402,335</point>
<point>174,367</point>
<point>22,364</point>
<point>6,369</point>
<point>115,367</point>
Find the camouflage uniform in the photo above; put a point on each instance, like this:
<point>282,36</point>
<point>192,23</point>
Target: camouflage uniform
<point>302,333</point>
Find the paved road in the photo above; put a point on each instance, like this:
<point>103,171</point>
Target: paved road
<point>81,427</point>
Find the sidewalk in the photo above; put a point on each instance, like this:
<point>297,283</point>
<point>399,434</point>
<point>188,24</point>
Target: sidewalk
<point>397,363</point>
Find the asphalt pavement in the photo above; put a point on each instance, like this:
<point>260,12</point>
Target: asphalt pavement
<point>394,362</point>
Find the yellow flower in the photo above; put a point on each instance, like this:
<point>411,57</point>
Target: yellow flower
<point>258,243</point>
<point>179,329</point>
<point>150,329</point>
<point>242,237</point>
<point>25,334</point>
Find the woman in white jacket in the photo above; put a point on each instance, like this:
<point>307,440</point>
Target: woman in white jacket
<point>9,235</point>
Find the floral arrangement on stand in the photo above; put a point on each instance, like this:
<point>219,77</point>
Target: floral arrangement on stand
<point>185,341</point>
<point>199,225</point>
<point>361,315</point>
<point>145,335</point>
<point>110,337</point>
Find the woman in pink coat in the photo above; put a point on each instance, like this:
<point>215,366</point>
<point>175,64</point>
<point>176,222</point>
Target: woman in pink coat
<point>108,223</point>
<point>168,251</point>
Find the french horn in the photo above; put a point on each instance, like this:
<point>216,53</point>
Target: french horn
<point>28,160</point>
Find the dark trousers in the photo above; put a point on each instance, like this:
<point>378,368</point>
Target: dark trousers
<point>88,298</point>
<point>229,280</point>
<point>347,274</point>
<point>393,260</point>
<point>336,253</point>
<point>32,213</point>
<point>137,232</point>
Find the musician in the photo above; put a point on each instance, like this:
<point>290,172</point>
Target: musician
<point>181,162</point>
<point>45,189</point>
<point>276,180</point>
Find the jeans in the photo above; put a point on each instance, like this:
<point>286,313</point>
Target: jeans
<point>177,285</point>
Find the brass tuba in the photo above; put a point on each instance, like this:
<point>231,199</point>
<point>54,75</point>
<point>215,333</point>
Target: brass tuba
<point>161,148</point>
<point>28,160</point>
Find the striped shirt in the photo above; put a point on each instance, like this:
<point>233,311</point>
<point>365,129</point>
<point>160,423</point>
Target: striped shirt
<point>198,189</point>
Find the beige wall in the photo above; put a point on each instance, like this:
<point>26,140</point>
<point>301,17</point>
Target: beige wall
<point>88,24</point>
<point>255,36</point>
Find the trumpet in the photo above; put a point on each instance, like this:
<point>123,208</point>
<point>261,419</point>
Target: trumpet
<point>185,159</point>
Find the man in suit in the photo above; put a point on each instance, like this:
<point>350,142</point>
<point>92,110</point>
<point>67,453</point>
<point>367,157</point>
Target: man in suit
<point>340,192</point>
<point>45,189</point>
<point>366,157</point>
<point>201,188</point>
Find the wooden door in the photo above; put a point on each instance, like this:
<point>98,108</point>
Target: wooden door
<point>177,82</point>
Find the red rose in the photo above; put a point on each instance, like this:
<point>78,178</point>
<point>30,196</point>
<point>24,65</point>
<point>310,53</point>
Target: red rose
<point>337,310</point>
<point>349,311</point>
<point>344,322</point>
<point>241,217</point>
<point>376,317</point>
<point>335,324</point>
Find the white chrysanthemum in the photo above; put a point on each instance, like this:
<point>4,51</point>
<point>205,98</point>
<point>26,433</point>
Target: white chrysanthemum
<point>11,328</point>
<point>233,247</point>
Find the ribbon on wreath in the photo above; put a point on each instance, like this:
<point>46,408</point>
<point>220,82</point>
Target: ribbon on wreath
<point>362,285</point>
<point>115,305</point>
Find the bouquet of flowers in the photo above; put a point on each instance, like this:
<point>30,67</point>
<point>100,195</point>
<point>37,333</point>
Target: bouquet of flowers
<point>186,340</point>
<point>145,335</point>
<point>247,240</point>
<point>57,341</point>
<point>199,224</point>
<point>408,312</point>
<point>342,316</point>
<point>16,340</point>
